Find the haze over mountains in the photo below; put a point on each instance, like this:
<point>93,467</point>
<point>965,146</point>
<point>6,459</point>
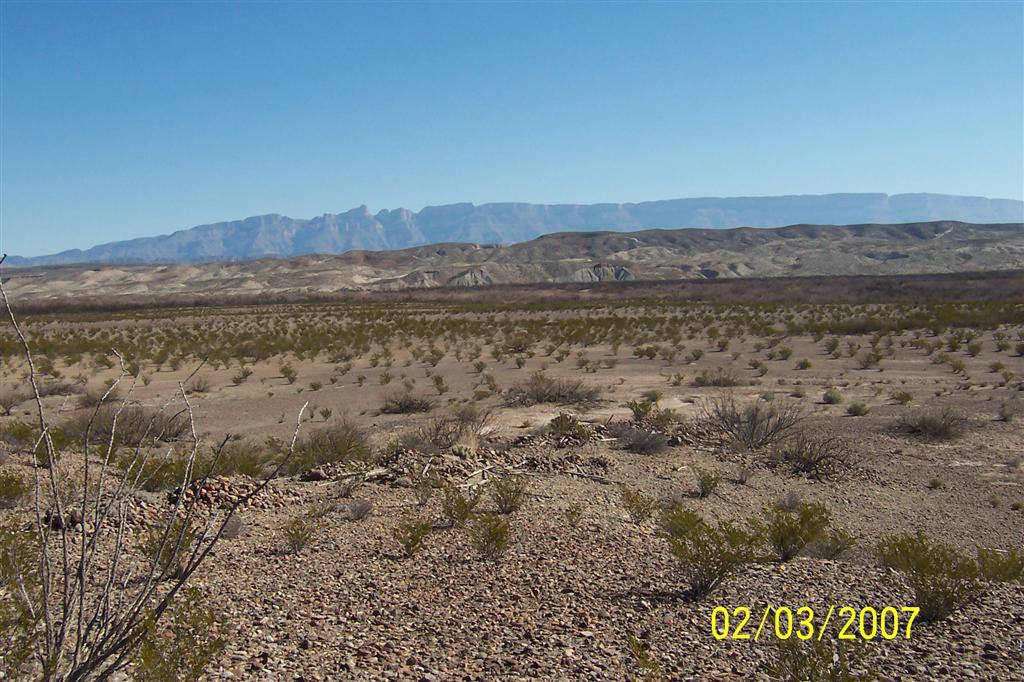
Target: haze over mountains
<point>507,223</point>
<point>566,257</point>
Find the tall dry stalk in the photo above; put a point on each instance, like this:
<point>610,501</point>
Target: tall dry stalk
<point>75,603</point>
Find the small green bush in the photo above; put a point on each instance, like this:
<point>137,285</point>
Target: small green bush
<point>707,555</point>
<point>999,566</point>
<point>297,534</point>
<point>12,489</point>
<point>789,532</point>
<point>410,533</point>
<point>638,504</point>
<point>857,409</point>
<point>489,534</point>
<point>832,396</point>
<point>707,482</point>
<point>456,506</point>
<point>941,577</point>
<point>509,493</point>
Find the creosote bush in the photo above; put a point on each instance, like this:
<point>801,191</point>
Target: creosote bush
<point>789,532</point>
<point>754,426</point>
<point>1001,566</point>
<point>410,534</point>
<point>707,554</point>
<point>832,396</point>
<point>182,646</point>
<point>837,543</point>
<point>941,577</point>
<point>826,660</point>
<point>457,506</point>
<point>540,388</point>
<point>721,378</point>
<point>341,441</point>
<point>935,424</point>
<point>509,493</point>
<point>406,403</point>
<point>821,457</point>
<point>638,504</point>
<point>489,534</point>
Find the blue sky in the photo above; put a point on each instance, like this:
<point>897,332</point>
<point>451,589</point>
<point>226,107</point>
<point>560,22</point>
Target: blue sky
<point>122,120</point>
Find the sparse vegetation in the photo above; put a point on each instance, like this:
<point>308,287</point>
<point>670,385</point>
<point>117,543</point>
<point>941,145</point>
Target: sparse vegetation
<point>935,424</point>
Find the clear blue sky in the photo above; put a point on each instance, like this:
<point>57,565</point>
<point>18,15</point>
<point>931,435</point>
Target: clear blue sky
<point>129,119</point>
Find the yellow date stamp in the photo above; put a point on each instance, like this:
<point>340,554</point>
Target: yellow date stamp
<point>784,622</point>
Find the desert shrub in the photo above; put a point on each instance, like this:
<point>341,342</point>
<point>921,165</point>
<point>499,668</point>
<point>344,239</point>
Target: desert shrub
<point>837,543</point>
<point>297,533</point>
<point>18,566</point>
<point>405,403</point>
<point>92,397</point>
<point>161,472</point>
<point>1001,566</point>
<point>341,441</point>
<point>244,458</point>
<point>410,533</point>
<point>1010,410</point>
<point>167,547</point>
<point>941,578</point>
<point>199,384</point>
<point>816,660</point>
<point>641,409</point>
<point>832,396</point>
<point>359,509</point>
<point>566,424</point>
<point>820,457</point>
<point>463,425</point>
<point>638,504</point>
<point>788,532</point>
<point>857,409</point>
<point>489,534</point>
<point>721,378</point>
<point>288,373</point>
<point>707,483</point>
<point>935,484</point>
<point>707,554</point>
<point>935,424</point>
<point>743,474</point>
<point>190,638</point>
<point>646,664</point>
<point>509,493</point>
<point>135,425</point>
<point>457,506</point>
<point>241,376</point>
<point>540,388</point>
<point>803,364</point>
<point>9,400</point>
<point>754,426</point>
<point>641,441</point>
<point>12,489</point>
<point>901,397</point>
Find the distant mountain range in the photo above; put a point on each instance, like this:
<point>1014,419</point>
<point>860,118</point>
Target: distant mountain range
<point>565,257</point>
<point>508,223</point>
